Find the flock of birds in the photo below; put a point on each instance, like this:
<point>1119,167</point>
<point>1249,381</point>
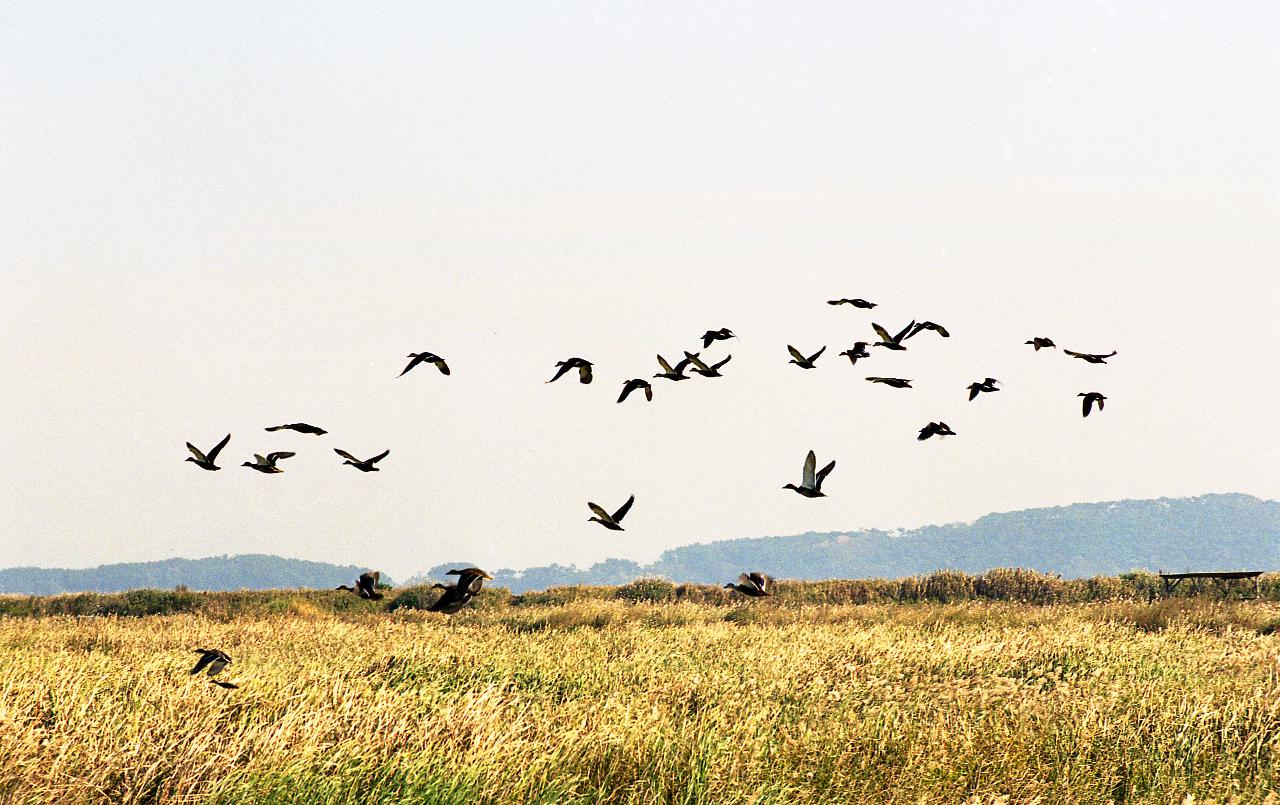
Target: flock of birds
<point>755,585</point>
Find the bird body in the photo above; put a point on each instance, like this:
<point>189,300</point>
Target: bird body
<point>935,429</point>
<point>860,303</point>
<point>366,586</point>
<point>677,373</point>
<point>811,482</point>
<point>583,366</point>
<point>267,464</point>
<point>928,325</point>
<point>800,360</point>
<point>367,464</point>
<point>416,358</point>
<point>1038,343</point>
<point>1090,399</point>
<point>987,385</point>
<point>755,585</point>
<point>205,461</point>
<point>859,350</point>
<point>300,427</point>
<point>702,368</point>
<point>211,661</point>
<point>893,342</point>
<point>456,596</point>
<point>1089,358</point>
<point>610,521</point>
<point>632,385</point>
<point>723,334</point>
<point>893,382</point>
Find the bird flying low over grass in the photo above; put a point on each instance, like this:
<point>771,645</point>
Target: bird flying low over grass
<point>755,585</point>
<point>416,358</point>
<point>1090,399</point>
<point>860,303</point>
<point>205,460</point>
<point>267,463</point>
<point>365,465</point>
<point>987,385</point>
<point>456,596</point>
<point>1039,343</point>
<point>1089,358</point>
<point>300,427</point>
<point>811,482</point>
<point>677,373</point>
<point>892,341</point>
<point>894,382</point>
<point>366,586</point>
<point>935,429</point>
<point>704,370</point>
<point>583,367</point>
<point>928,325</point>
<point>859,350</point>
<point>723,334</point>
<point>800,360</point>
<point>211,661</point>
<point>632,385</point>
<point>610,521</point>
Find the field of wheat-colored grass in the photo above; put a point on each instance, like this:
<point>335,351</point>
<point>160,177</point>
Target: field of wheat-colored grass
<point>621,702</point>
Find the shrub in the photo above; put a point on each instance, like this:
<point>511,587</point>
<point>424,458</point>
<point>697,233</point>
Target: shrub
<point>647,590</point>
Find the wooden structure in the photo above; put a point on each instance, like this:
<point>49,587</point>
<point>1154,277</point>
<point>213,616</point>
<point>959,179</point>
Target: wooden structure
<point>1222,578</point>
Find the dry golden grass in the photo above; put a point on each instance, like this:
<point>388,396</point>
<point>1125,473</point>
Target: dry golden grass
<point>606,701</point>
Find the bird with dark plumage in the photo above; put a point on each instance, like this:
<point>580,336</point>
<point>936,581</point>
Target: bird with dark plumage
<point>267,463</point>
<point>416,358</point>
<point>892,382</point>
<point>610,521</point>
<point>860,303</point>
<point>987,385</point>
<point>205,460</point>
<point>583,367</point>
<point>703,369</point>
<point>893,342</point>
<point>366,586</point>
<point>800,360</point>
<point>211,661</point>
<point>755,585</point>
<point>367,464</point>
<point>1038,343</point>
<point>1090,399</point>
<point>456,596</point>
<point>935,429</point>
<point>1089,358</point>
<point>300,427</point>
<point>859,350</point>
<point>928,325</point>
<point>632,385</point>
<point>677,373</point>
<point>723,334</point>
<point>811,482</point>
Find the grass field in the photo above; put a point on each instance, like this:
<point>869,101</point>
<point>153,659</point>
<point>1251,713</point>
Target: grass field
<point>615,701</point>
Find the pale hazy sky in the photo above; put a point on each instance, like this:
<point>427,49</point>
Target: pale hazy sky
<point>223,216</point>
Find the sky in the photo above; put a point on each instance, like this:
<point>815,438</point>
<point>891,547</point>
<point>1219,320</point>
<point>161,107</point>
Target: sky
<point>220,217</point>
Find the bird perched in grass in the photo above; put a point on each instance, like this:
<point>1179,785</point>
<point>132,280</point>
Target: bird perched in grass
<point>755,585</point>
<point>267,463</point>
<point>1090,399</point>
<point>416,358</point>
<point>610,521</point>
<point>205,460</point>
<point>367,464</point>
<point>583,367</point>
<point>800,360</point>
<point>811,482</point>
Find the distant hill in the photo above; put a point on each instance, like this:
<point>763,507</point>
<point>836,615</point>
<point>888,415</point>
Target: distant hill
<point>250,571</point>
<point>1210,532</point>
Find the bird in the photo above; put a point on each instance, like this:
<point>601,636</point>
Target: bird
<point>673,374</point>
<point>935,429</point>
<point>211,661</point>
<point>704,370</point>
<point>631,385</point>
<point>862,303</point>
<point>928,325</point>
<point>583,367</point>
<point>859,350</point>
<point>205,460</point>
<point>1091,398</point>
<point>892,341</point>
<point>723,334</point>
<point>425,357</point>
<point>1041,342</point>
<point>363,466</point>
<point>894,382</point>
<point>300,427</point>
<point>986,385</point>
<point>811,483</point>
<point>1085,356</point>
<point>366,586</point>
<point>610,521</point>
<point>802,361</point>
<point>227,685</point>
<point>267,463</point>
<point>456,596</point>
<point>756,585</point>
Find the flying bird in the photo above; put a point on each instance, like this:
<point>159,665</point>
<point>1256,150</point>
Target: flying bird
<point>300,427</point>
<point>205,460</point>
<point>859,351</point>
<point>811,483</point>
<point>458,595</point>
<point>1091,398</point>
<point>610,521</point>
<point>892,341</point>
<point>935,429</point>
<point>267,463</point>
<point>704,370</point>
<point>862,303</point>
<point>211,661</point>
<point>1042,342</point>
<point>894,382</point>
<point>723,334</point>
<point>1085,356</point>
<point>928,325</point>
<point>363,466</point>
<point>366,586</point>
<point>987,385</point>
<point>425,357</point>
<point>583,367</point>
<point>632,385</point>
<point>756,585</point>
<point>801,360</point>
<point>677,373</point>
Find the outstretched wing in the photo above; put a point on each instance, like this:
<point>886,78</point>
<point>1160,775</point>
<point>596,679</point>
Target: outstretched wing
<point>599,512</point>
<point>834,302</point>
<point>692,357</point>
<point>707,338</point>
<point>761,581</point>
<point>1073,354</point>
<point>564,367</point>
<point>213,454</point>
<point>795,353</point>
<point>666,367</point>
<point>903,332</point>
<point>627,388</point>
<point>810,462</point>
<point>745,579</point>
<point>584,373</point>
<point>823,473</point>
<point>415,360</point>
<point>626,507</point>
<point>815,355</point>
<point>205,659</point>
<point>882,332</point>
<point>441,365</point>
<point>648,392</point>
<point>717,366</point>
<point>195,451</point>
<point>380,456</point>
<point>272,458</point>
<point>346,455</point>
<point>973,391</point>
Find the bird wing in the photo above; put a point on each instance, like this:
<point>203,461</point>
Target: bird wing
<point>1088,404</point>
<point>648,392</point>
<point>882,332</point>
<point>206,657</point>
<point>622,512</point>
<point>346,455</point>
<point>810,463</point>
<point>761,581</point>
<point>564,366</point>
<point>717,366</point>
<point>380,456</point>
<point>1101,402</point>
<point>692,357</point>
<point>584,373</point>
<point>217,663</point>
<point>272,458</point>
<point>599,512</point>
<point>903,332</point>
<point>707,338</point>
<point>1072,354</point>
<point>415,360</point>
<point>823,473</point>
<point>942,331</point>
<point>195,451</point>
<point>838,302</point>
<point>746,580</point>
<point>795,353</point>
<point>260,459</point>
<point>441,365</point>
<point>627,388</point>
<point>666,367</point>
<point>815,355</point>
<point>973,391</point>
<point>684,364</point>
<point>213,454</point>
